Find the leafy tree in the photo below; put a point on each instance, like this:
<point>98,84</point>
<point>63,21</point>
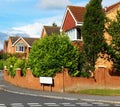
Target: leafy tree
<point>92,32</point>
<point>114,31</point>
<point>49,54</point>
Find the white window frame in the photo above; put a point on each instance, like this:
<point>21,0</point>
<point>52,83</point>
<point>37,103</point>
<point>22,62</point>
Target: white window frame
<point>73,37</point>
<point>20,47</point>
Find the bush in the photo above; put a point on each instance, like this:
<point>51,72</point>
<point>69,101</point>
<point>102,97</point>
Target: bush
<point>1,65</point>
<point>20,64</point>
<point>50,53</point>
<point>9,63</point>
<point>12,63</point>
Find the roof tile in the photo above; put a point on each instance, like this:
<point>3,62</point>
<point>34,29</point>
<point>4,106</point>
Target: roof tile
<point>78,12</point>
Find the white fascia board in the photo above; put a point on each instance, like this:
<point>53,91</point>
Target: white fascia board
<point>79,23</point>
<point>18,40</point>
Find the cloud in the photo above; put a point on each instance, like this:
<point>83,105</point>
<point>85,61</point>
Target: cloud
<point>3,36</point>
<point>53,4</point>
<point>33,30</point>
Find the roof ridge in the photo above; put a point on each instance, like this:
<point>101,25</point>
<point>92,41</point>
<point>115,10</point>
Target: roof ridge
<point>75,6</point>
<point>51,26</point>
<point>112,6</point>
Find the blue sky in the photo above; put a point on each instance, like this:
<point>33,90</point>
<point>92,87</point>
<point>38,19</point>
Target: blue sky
<point>28,16</point>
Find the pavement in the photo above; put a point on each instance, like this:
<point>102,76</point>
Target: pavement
<point>5,86</point>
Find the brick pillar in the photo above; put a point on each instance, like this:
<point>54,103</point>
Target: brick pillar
<point>100,76</point>
<point>18,72</point>
<point>5,74</point>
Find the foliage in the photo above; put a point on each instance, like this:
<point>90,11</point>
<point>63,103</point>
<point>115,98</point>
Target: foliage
<point>20,64</point>
<point>114,49</point>
<point>12,63</point>
<point>50,53</point>
<point>17,55</point>
<point>93,31</point>
<point>1,54</point>
<point>1,65</point>
<point>9,63</point>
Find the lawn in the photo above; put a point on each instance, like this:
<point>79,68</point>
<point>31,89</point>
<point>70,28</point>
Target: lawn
<point>103,92</point>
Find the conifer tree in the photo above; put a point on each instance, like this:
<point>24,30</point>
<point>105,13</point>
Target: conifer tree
<point>114,31</point>
<point>93,31</point>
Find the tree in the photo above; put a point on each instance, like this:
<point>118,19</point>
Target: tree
<point>92,32</point>
<point>114,31</point>
<point>49,54</point>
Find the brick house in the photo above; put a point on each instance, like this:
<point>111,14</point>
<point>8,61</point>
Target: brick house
<point>21,45</point>
<point>49,30</point>
<point>73,21</point>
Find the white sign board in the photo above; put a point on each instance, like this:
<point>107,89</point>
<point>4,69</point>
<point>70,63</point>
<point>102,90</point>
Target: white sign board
<point>46,80</point>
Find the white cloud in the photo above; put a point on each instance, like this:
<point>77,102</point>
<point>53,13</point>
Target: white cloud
<point>53,4</point>
<point>33,30</point>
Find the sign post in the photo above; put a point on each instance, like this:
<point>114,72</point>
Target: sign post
<point>46,81</point>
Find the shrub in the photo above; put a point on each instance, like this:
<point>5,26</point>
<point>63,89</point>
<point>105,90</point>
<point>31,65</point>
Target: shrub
<point>12,63</point>
<point>50,53</point>
<point>20,64</point>
<point>1,64</point>
<point>9,63</point>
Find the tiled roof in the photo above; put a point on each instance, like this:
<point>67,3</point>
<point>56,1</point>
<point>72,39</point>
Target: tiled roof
<point>52,29</point>
<point>27,39</point>
<point>30,40</point>
<point>78,12</point>
<point>112,6</point>
<point>14,38</point>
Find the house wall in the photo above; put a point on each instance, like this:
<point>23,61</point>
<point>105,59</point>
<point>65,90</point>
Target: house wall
<point>78,44</point>
<point>103,61</point>
<point>43,33</point>
<point>69,22</point>
<point>10,48</point>
<point>111,15</point>
<point>5,47</point>
<point>113,12</point>
<point>64,82</point>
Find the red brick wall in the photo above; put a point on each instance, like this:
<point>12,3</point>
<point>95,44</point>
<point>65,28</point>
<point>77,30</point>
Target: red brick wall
<point>63,82</point>
<point>78,44</point>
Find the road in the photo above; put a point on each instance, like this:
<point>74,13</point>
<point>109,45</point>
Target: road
<point>20,100</point>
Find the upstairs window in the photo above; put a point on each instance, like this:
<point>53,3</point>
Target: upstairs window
<point>74,34</point>
<point>20,47</point>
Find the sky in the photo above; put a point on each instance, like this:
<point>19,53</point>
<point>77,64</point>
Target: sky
<point>28,16</point>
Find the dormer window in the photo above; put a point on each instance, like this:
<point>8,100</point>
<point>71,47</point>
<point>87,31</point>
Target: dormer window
<point>74,34</point>
<point>20,47</point>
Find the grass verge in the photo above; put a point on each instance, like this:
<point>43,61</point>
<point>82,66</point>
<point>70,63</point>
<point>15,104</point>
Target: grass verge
<point>103,92</point>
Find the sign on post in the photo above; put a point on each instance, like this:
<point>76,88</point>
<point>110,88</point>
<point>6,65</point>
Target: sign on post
<point>46,80</point>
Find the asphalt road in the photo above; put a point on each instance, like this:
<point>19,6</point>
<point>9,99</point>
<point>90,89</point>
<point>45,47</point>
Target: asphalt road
<point>18,100</point>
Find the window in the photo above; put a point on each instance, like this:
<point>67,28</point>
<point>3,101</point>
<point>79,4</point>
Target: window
<point>74,34</point>
<point>78,33</point>
<point>20,47</point>
<point>71,34</point>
